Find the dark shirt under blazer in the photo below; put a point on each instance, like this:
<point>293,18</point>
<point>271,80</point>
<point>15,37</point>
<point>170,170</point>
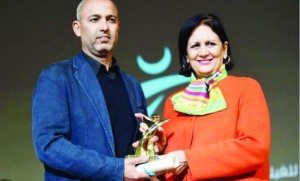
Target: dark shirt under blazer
<point>118,106</point>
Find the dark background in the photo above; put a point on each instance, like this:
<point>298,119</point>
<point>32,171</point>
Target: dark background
<point>264,37</point>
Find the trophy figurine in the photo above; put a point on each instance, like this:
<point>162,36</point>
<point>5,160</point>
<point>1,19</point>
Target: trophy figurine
<point>156,163</point>
<point>145,146</point>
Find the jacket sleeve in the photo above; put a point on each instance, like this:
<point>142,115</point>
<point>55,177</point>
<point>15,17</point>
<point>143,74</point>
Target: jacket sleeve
<point>244,154</point>
<point>52,133</point>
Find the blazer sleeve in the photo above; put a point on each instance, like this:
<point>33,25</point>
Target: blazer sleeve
<point>246,153</point>
<point>52,131</point>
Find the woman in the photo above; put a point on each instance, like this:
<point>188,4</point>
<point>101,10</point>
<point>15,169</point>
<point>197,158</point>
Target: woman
<point>219,124</point>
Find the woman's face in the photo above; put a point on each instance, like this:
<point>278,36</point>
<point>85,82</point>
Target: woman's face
<point>205,51</point>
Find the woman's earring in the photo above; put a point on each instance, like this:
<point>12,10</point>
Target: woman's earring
<point>227,60</point>
<point>187,64</point>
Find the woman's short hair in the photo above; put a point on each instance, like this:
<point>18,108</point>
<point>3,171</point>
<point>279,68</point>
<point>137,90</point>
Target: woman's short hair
<point>186,31</point>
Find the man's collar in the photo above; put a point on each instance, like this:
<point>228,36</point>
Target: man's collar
<point>96,66</point>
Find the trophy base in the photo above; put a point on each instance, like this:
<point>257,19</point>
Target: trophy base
<point>159,165</point>
<point>151,158</point>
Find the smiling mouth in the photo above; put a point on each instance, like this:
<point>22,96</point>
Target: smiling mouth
<point>204,62</point>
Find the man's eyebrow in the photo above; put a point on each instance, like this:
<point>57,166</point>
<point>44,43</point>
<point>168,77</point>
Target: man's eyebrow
<point>94,15</point>
<point>112,16</point>
<point>108,16</point>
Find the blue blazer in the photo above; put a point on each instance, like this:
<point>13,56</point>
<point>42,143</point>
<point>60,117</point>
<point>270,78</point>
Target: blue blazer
<point>72,132</point>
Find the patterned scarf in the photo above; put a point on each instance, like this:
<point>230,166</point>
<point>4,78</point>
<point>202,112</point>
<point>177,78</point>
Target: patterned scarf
<point>202,96</point>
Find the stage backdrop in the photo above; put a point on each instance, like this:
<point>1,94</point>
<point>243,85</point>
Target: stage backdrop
<point>264,37</point>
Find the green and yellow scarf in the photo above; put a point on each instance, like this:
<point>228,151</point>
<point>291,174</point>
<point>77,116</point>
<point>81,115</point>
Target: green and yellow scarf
<point>201,96</point>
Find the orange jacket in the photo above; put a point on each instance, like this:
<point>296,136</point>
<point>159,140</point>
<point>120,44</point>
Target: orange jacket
<point>232,144</point>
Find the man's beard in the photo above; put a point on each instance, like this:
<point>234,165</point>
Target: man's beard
<point>103,53</point>
<point>102,49</point>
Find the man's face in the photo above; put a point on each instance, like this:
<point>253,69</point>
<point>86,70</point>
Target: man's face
<point>98,27</point>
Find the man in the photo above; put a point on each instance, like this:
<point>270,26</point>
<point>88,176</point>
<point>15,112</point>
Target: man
<point>84,108</point>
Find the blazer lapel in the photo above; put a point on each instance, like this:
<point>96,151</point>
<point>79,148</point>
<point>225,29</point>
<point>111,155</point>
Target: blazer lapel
<point>130,91</point>
<point>89,83</point>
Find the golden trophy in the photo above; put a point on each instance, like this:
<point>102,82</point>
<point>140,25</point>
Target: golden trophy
<point>156,163</point>
<point>145,146</point>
